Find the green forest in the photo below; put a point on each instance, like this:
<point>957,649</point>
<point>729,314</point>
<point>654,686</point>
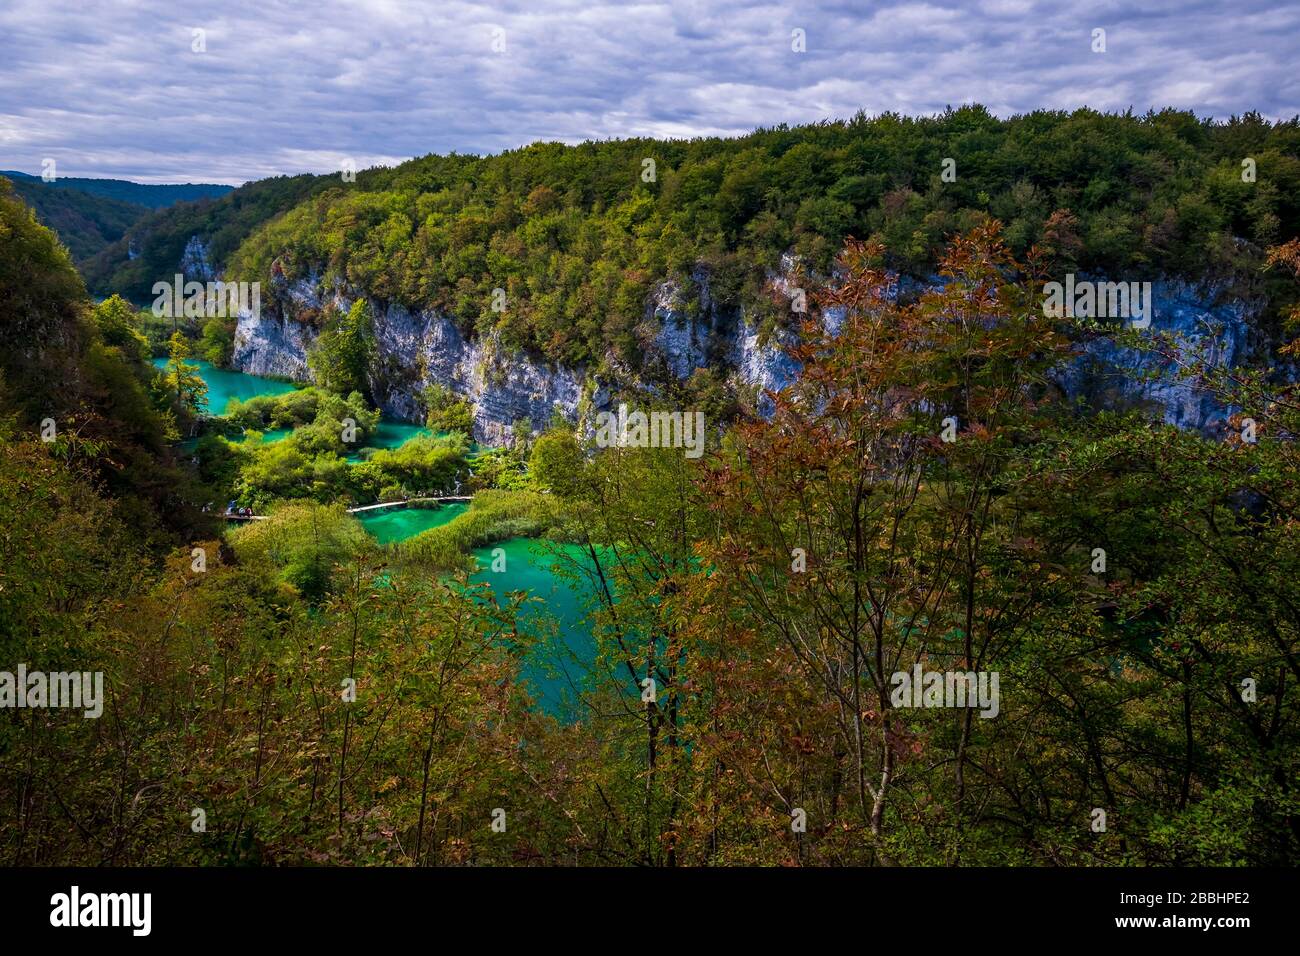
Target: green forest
<point>288,690</point>
<point>85,223</point>
<point>577,237</point>
<point>89,215</point>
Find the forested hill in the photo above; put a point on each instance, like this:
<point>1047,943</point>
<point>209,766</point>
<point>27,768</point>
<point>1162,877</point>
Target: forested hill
<point>90,214</point>
<point>154,247</point>
<point>149,195</point>
<point>84,222</point>
<point>1120,591</point>
<point>58,363</point>
<point>579,235</point>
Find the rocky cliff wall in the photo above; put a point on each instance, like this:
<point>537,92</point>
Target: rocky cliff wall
<point>419,349</point>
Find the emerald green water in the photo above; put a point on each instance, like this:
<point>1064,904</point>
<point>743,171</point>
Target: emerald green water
<point>397,524</point>
<point>395,434</point>
<point>556,620</point>
<point>224,385</point>
<point>268,436</point>
<point>390,434</point>
<point>552,666</point>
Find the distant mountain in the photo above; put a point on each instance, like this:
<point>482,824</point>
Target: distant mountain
<point>141,194</point>
<point>91,214</point>
<point>177,238</point>
<point>84,222</point>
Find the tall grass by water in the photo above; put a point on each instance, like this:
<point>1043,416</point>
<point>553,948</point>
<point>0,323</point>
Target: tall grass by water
<point>492,516</point>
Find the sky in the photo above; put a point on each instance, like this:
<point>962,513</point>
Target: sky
<point>132,91</point>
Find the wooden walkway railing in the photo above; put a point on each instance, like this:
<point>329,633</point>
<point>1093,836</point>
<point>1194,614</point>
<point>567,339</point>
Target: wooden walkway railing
<point>399,503</point>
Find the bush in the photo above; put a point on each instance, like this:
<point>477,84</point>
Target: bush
<point>300,543</point>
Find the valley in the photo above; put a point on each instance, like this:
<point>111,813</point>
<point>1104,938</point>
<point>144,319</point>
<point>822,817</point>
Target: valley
<point>732,450</point>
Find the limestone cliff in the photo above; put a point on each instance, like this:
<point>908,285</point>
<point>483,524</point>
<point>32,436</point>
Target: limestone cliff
<point>415,350</point>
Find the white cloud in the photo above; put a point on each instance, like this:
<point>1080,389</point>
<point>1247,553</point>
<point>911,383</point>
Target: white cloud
<point>113,89</point>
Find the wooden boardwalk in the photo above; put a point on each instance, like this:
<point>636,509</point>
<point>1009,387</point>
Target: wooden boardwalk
<point>406,501</point>
<point>399,503</point>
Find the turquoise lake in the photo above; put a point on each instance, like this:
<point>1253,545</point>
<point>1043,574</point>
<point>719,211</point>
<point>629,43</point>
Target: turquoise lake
<point>224,385</point>
<point>564,641</point>
<point>391,434</point>
<point>398,524</point>
<point>555,664</point>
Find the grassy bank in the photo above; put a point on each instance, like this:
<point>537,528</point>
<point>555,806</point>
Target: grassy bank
<point>493,516</point>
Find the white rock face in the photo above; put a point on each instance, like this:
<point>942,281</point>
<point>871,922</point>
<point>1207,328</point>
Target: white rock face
<point>766,366</point>
<point>1107,375</point>
<point>272,345</point>
<point>416,350</point>
<point>413,352</point>
<point>1208,325</point>
<point>422,349</point>
<point>195,262</point>
<point>679,342</point>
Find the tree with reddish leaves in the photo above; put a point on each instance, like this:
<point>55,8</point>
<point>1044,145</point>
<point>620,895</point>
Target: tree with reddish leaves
<point>852,535</point>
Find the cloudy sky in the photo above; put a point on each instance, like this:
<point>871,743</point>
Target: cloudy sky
<point>119,88</point>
